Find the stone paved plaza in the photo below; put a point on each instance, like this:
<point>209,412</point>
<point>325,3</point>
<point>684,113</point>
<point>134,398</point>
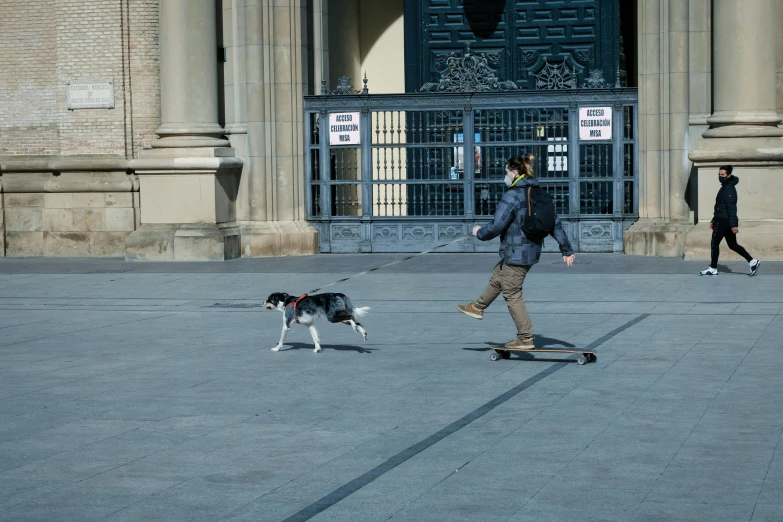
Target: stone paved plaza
<point>147,391</point>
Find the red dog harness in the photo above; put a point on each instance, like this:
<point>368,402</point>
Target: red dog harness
<point>294,303</point>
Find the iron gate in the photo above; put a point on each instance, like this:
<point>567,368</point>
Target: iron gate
<point>430,166</point>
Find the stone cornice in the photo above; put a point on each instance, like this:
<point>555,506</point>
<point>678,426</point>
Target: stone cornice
<point>762,155</point>
<point>31,182</point>
<point>57,165</point>
<point>99,174</point>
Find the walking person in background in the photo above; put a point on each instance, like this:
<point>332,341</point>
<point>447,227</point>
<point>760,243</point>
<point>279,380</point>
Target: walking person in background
<point>725,223</point>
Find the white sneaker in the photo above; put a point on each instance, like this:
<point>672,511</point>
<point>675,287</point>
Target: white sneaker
<point>754,266</point>
<point>709,271</point>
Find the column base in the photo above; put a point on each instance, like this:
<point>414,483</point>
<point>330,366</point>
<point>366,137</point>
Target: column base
<point>760,238</point>
<point>660,237</point>
<point>279,238</point>
<point>203,242</point>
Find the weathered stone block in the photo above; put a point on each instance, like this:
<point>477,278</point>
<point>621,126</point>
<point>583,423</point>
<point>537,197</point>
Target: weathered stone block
<point>120,220</point>
<point>182,243</point>
<point>24,200</point>
<point>23,219</point>
<point>66,244</point>
<point>23,244</point>
<point>107,244</point>
<point>89,200</point>
<point>89,219</point>
<point>652,238</point>
<point>150,244</point>
<point>287,238</point>
<point>194,248</point>
<point>58,220</point>
<point>59,200</point>
<point>119,199</point>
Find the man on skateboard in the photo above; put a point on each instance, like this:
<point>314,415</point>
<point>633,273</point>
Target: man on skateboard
<point>517,252</point>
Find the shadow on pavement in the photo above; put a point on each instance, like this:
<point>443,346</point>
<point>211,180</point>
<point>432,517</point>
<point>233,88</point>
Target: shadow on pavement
<point>336,347</point>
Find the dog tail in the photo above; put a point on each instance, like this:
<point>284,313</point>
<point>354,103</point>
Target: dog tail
<point>359,312</point>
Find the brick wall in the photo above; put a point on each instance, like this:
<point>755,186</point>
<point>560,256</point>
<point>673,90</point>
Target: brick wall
<point>145,71</point>
<point>47,43</point>
<point>28,103</point>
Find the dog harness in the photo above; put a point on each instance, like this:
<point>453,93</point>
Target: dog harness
<point>294,303</point>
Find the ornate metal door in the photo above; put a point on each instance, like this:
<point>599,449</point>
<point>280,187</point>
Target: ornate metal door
<point>520,38</point>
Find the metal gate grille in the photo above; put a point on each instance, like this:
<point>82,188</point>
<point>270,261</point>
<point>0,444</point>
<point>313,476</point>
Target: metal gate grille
<point>429,166</point>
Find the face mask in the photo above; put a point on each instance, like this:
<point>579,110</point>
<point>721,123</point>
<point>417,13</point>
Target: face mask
<point>508,181</point>
<point>723,180</point>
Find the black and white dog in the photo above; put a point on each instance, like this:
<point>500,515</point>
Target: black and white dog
<point>337,308</point>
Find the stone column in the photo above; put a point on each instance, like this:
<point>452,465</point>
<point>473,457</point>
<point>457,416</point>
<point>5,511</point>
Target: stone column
<point>743,129</point>
<point>188,75</point>
<point>320,44</point>
<point>744,43</point>
<point>189,181</point>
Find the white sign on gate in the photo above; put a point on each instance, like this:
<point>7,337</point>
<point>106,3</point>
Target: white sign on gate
<point>595,123</point>
<point>344,128</point>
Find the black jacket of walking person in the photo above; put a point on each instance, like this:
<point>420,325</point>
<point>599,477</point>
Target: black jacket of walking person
<point>725,223</point>
<point>726,202</point>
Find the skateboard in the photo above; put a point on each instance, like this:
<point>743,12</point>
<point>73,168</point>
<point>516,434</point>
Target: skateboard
<point>504,353</point>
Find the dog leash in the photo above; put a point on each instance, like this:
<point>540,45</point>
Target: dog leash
<point>388,264</point>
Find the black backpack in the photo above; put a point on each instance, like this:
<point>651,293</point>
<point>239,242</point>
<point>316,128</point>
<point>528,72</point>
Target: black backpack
<point>539,215</point>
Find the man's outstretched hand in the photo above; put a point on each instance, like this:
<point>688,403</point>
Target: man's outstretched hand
<point>568,260</point>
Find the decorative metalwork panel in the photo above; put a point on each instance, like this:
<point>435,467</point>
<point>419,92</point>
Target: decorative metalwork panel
<point>431,165</point>
<point>418,232</point>
<point>345,232</point>
<point>556,77</point>
<point>469,73</point>
<point>596,230</point>
<point>531,44</point>
<point>386,232</point>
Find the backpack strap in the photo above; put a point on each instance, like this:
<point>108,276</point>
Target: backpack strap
<point>529,210</point>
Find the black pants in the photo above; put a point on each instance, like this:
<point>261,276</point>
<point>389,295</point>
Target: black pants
<point>721,229</point>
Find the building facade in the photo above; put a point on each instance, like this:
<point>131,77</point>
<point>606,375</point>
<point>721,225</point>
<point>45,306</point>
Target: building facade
<point>188,129</point>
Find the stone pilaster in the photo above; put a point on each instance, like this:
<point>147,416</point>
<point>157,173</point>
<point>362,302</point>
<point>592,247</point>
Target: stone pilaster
<point>273,200</point>
<point>664,111</point>
<point>743,129</point>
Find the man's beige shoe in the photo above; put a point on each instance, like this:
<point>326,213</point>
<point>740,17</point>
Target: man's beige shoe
<point>519,344</point>
<point>472,310</point>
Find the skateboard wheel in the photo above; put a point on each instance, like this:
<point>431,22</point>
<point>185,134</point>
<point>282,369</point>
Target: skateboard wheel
<point>581,360</point>
<point>494,356</point>
<point>505,354</point>
<point>592,357</point>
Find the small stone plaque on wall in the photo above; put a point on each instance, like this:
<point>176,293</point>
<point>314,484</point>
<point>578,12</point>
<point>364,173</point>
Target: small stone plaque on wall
<point>89,94</point>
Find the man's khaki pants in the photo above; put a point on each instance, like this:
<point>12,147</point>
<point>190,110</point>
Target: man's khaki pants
<point>508,280</point>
